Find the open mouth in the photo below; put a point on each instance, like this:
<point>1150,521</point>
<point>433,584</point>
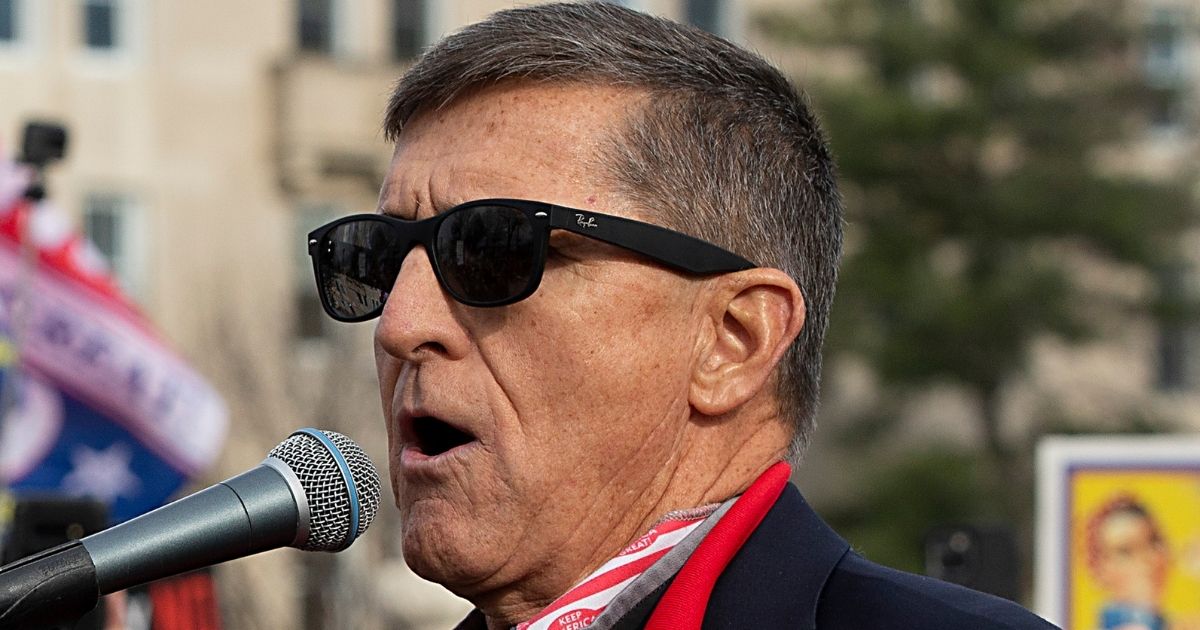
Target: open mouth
<point>434,437</point>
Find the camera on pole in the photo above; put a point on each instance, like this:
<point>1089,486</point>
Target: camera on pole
<point>41,143</point>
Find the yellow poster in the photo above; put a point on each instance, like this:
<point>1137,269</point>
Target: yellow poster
<point>1128,536</point>
<point>1135,557</point>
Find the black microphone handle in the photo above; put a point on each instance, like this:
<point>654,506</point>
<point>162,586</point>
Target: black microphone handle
<point>52,587</point>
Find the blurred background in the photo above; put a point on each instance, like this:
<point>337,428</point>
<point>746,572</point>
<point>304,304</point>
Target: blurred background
<point>1021,252</point>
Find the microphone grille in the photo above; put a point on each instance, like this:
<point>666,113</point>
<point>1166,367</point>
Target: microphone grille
<point>332,469</point>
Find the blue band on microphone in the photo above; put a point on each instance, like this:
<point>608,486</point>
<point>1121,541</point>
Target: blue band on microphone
<point>347,476</point>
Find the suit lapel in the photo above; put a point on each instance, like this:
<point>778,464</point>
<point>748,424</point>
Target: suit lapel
<point>775,580</point>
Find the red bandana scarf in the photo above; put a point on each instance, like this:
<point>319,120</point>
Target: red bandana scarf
<point>580,606</point>
<point>682,606</point>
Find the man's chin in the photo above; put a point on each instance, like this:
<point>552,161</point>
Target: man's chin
<point>466,565</point>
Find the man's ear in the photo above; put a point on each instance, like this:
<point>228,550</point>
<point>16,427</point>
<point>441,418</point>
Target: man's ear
<point>752,317</point>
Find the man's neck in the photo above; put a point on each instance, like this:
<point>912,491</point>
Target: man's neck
<point>713,464</point>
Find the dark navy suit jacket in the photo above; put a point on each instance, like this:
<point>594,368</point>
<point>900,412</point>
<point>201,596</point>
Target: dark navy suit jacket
<point>795,572</point>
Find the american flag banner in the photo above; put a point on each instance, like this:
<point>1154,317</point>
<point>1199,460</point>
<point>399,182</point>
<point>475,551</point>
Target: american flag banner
<point>92,401</point>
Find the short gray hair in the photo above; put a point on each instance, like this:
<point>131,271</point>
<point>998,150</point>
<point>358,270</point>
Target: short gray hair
<point>725,149</point>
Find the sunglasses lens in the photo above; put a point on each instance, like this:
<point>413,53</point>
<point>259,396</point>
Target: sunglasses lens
<point>486,254</point>
<point>357,265</point>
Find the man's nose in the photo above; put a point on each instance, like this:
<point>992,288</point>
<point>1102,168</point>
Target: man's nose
<point>418,321</point>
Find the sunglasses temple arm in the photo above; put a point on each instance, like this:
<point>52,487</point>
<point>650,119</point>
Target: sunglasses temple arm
<point>671,248</point>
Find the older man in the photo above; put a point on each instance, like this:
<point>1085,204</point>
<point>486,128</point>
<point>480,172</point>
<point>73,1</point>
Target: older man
<point>603,263</point>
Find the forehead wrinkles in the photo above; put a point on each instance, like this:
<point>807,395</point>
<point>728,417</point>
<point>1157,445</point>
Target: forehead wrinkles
<point>392,198</point>
<point>508,130</point>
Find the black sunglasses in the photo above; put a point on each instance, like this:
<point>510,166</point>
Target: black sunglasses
<point>489,252</point>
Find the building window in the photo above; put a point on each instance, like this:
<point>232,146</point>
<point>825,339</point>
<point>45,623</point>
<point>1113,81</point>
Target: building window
<point>706,14</point>
<point>110,222</point>
<point>408,28</point>
<point>315,26</point>
<point>10,27</point>
<point>1166,108</point>
<point>102,24</point>
<point>1176,335</point>
<point>1165,45</point>
<point>1166,65</point>
<point>19,22</point>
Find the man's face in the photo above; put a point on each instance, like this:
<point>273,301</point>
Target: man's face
<point>566,407</point>
<point>1133,564</point>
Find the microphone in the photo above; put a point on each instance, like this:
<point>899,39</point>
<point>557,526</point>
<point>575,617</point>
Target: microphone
<point>316,491</point>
